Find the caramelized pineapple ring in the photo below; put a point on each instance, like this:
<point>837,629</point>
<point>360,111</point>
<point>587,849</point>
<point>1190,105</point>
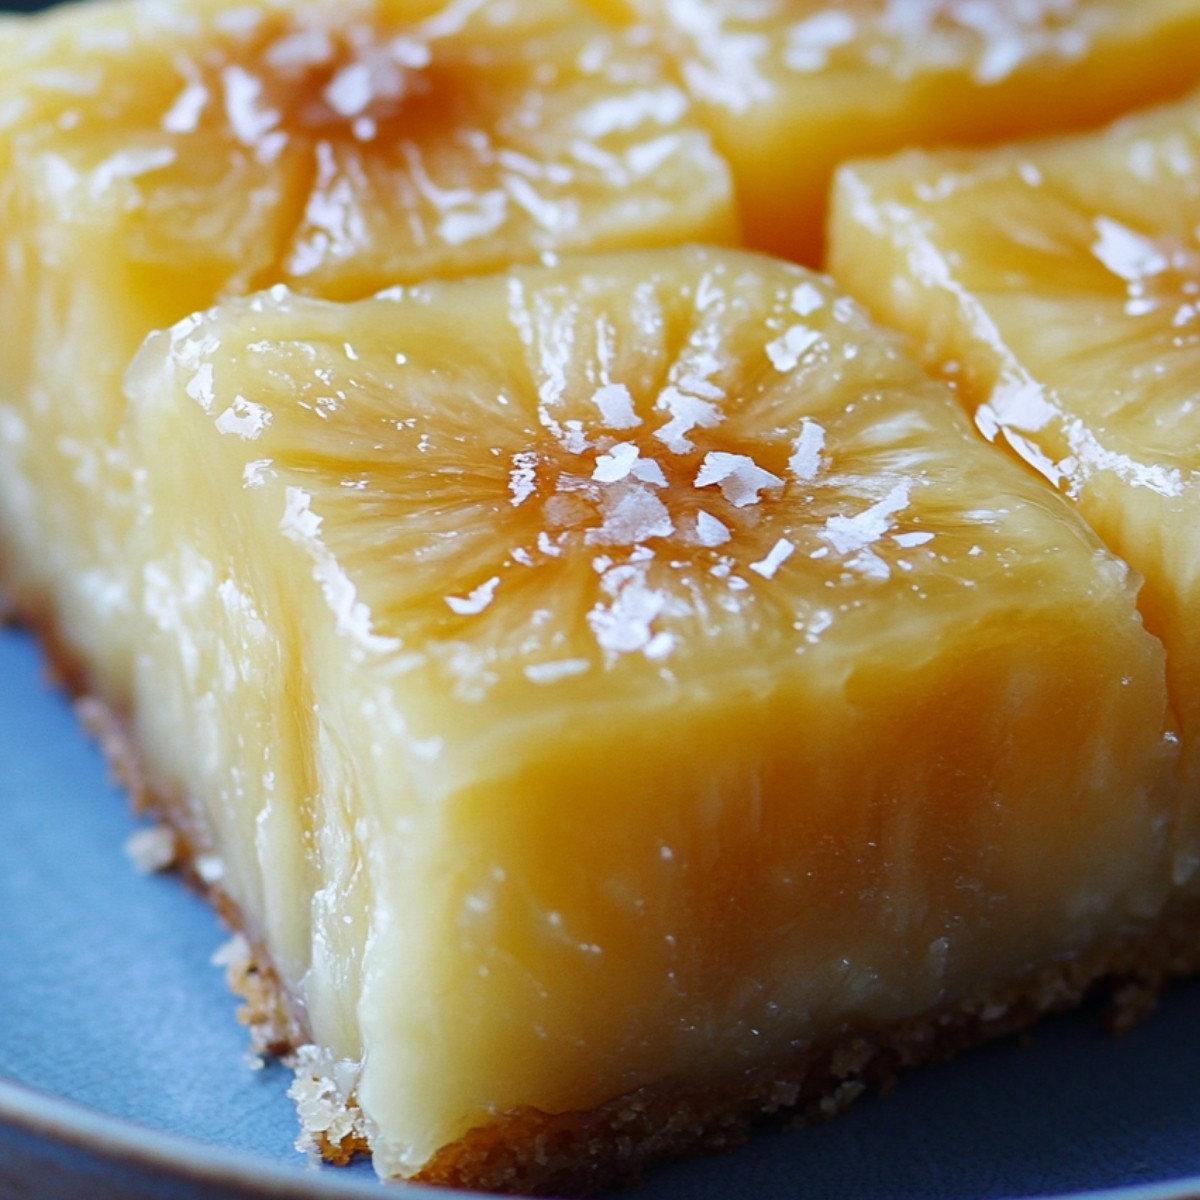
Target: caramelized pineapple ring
<point>641,666</point>
<point>791,88</point>
<point>154,157</point>
<point>1060,284</point>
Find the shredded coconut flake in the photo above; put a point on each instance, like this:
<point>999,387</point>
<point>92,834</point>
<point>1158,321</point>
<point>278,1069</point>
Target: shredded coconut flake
<point>409,52</point>
<point>632,513</point>
<point>350,90</point>
<point>248,120</point>
<point>739,477</point>
<point>805,462</point>
<point>616,464</point>
<point>200,387</point>
<point>850,534</point>
<point>255,473</point>
<point>624,626</point>
<point>476,601</point>
<point>786,352</point>
<point>551,672</point>
<point>658,648</point>
<point>304,48</point>
<point>184,115</point>
<point>776,557</point>
<point>868,563</point>
<point>644,158</point>
<point>663,105</point>
<point>616,407</point>
<point>648,471</point>
<point>1127,254</point>
<point>427,749</point>
<point>244,417</point>
<point>128,164</point>
<point>489,212</point>
<point>700,384</point>
<point>522,478</point>
<point>809,42</point>
<point>710,531</point>
<point>688,412</point>
<point>806,299</point>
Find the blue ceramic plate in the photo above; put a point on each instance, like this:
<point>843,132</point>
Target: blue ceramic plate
<point>123,1072</point>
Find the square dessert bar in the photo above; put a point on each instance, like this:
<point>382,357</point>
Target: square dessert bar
<point>626,697</point>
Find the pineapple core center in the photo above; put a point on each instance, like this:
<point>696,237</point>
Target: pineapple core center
<point>621,479</point>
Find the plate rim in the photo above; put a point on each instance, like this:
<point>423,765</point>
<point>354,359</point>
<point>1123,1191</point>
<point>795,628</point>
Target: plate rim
<point>102,1140</point>
<point>94,1139</point>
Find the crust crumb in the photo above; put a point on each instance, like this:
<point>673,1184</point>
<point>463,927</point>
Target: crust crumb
<point>107,728</point>
<point>153,849</point>
<point>272,1032</point>
<point>1131,1003</point>
<point>332,1126</point>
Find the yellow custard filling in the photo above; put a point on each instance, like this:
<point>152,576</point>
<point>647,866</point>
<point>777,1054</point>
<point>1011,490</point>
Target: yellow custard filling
<point>569,701</point>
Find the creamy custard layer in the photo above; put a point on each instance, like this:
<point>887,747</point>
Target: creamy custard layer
<point>631,691</point>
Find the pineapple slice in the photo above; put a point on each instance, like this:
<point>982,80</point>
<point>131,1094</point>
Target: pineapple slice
<point>604,684</point>
<point>793,87</point>
<point>154,157</point>
<point>1059,283</point>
